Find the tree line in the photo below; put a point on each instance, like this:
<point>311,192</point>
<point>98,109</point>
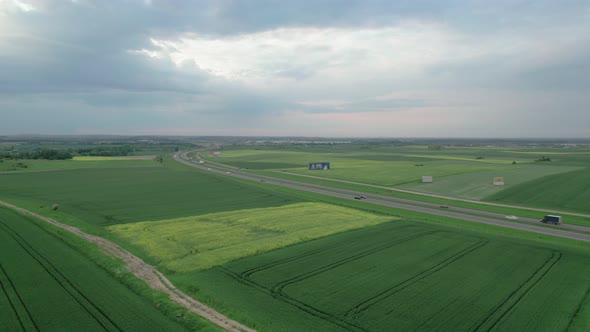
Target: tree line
<point>49,154</point>
<point>64,154</point>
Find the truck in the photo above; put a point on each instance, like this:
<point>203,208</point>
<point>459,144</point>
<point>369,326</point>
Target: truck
<point>551,219</point>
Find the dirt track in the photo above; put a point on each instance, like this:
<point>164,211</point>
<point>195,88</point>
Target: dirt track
<point>147,273</point>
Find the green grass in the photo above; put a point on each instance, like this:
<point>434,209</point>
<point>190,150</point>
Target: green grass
<point>50,286</point>
<point>404,275</point>
<point>196,243</point>
<point>456,170</point>
<point>521,212</point>
<point>478,185</point>
<point>373,168</point>
<point>568,191</point>
<point>103,197</point>
<point>12,166</point>
<point>107,158</point>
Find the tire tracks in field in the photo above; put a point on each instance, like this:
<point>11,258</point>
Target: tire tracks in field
<point>578,309</point>
<point>278,288</point>
<point>149,274</point>
<point>504,308</point>
<point>278,293</point>
<point>361,308</point>
<point>244,277</point>
<point>248,273</point>
<point>83,301</point>
<point>28,320</point>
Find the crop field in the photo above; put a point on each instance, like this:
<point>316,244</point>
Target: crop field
<point>569,191</point>
<point>462,172</point>
<point>12,166</point>
<point>478,185</point>
<point>372,168</point>
<point>106,196</point>
<point>196,243</point>
<point>405,276</point>
<point>47,285</point>
<point>276,261</point>
<point>103,158</point>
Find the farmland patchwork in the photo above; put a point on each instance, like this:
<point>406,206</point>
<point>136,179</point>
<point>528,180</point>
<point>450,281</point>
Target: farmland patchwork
<point>200,242</point>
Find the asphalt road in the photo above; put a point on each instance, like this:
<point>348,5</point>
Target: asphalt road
<point>479,216</point>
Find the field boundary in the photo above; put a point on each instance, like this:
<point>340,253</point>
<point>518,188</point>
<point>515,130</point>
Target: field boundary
<point>154,278</point>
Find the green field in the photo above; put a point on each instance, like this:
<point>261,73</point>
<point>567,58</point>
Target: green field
<point>103,197</point>
<point>49,286</point>
<point>279,260</point>
<point>373,168</point>
<point>105,158</point>
<point>479,185</point>
<point>200,242</point>
<point>461,172</point>
<point>12,166</point>
<point>405,275</point>
<point>569,191</point>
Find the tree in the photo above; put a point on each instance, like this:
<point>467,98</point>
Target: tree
<point>159,159</point>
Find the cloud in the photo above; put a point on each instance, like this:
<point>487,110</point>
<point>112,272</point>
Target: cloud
<point>345,68</point>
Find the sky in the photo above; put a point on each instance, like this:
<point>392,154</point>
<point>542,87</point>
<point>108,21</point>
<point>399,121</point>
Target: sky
<point>371,68</point>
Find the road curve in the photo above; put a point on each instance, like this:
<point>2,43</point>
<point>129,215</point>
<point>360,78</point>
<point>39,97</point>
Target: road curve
<point>406,204</point>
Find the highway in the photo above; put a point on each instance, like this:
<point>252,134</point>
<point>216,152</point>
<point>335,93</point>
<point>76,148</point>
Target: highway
<point>479,216</point>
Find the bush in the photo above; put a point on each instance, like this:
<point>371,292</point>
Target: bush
<point>54,207</point>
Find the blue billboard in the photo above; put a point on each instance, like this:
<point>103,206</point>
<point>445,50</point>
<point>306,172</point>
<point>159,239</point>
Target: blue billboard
<point>318,166</point>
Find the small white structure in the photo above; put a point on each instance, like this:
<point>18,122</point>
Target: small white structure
<point>498,181</point>
<point>427,179</point>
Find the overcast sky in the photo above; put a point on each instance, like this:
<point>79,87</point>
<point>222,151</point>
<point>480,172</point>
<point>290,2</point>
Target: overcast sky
<point>455,68</point>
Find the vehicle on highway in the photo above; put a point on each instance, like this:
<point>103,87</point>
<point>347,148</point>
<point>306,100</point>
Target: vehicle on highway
<point>357,197</point>
<point>551,219</point>
<point>444,206</point>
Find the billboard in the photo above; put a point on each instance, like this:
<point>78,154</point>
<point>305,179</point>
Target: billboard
<point>498,181</point>
<point>427,179</point>
<point>319,166</point>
